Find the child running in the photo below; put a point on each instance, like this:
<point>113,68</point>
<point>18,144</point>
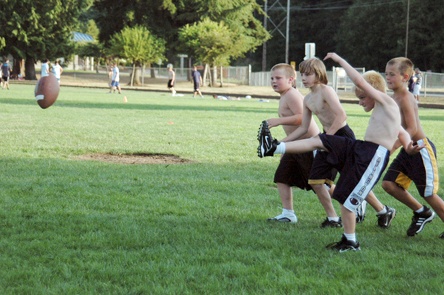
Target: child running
<point>421,168</point>
<point>360,162</point>
<point>293,169</point>
<point>324,102</point>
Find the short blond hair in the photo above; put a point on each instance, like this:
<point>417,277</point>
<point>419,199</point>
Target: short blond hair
<point>314,66</point>
<point>286,68</point>
<point>403,64</point>
<point>375,79</point>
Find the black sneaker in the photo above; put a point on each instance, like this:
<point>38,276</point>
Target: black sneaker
<point>344,245</point>
<point>267,145</point>
<point>419,220</point>
<point>331,223</point>
<point>384,220</point>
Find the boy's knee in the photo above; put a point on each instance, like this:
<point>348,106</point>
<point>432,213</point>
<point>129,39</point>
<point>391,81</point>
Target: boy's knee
<point>388,186</point>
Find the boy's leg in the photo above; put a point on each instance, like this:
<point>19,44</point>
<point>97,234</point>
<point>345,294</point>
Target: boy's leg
<point>419,219</point>
<point>286,194</point>
<point>384,214</point>
<point>348,220</point>
<point>401,195</point>
<point>304,145</point>
<point>267,146</point>
<point>437,205</point>
<point>325,200</point>
<point>347,244</point>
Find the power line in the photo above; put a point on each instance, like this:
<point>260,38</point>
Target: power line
<point>338,6</point>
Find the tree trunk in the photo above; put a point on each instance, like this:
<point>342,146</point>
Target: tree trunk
<point>214,76</point>
<point>17,67</point>
<point>132,75</point>
<point>135,76</point>
<point>207,74</point>
<point>30,69</point>
<point>221,77</point>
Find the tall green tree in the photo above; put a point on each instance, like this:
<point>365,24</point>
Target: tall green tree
<point>373,32</point>
<point>165,17</point>
<point>35,30</point>
<point>138,45</point>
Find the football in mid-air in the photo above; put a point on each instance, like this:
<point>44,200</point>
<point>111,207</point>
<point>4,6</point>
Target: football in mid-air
<point>46,91</point>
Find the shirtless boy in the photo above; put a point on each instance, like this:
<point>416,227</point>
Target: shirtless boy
<point>421,168</point>
<point>356,181</point>
<point>324,103</point>
<point>293,169</point>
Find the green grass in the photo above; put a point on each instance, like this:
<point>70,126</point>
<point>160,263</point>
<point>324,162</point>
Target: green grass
<point>69,226</point>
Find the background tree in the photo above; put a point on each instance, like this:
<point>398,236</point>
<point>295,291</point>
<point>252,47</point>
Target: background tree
<point>165,17</point>
<point>227,31</point>
<point>139,46</point>
<point>39,29</point>
<point>92,49</point>
<point>372,32</point>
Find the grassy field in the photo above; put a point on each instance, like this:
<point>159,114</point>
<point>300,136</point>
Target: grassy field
<point>75,226</point>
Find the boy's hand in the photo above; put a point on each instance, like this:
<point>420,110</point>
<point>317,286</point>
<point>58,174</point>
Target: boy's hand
<point>413,148</point>
<point>333,56</point>
<point>273,122</point>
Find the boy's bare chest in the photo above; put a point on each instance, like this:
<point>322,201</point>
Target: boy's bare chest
<point>317,106</point>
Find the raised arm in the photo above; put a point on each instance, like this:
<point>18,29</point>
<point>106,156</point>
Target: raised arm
<point>357,78</point>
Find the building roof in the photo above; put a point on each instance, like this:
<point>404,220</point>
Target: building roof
<point>81,37</point>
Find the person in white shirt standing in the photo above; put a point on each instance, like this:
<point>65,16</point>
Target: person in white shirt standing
<point>45,68</point>
<point>115,80</point>
<point>57,70</point>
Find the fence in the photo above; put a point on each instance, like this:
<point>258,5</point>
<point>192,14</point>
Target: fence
<point>235,75</point>
<point>432,84</point>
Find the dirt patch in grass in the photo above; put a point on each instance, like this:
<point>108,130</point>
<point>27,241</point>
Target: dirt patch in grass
<point>138,158</point>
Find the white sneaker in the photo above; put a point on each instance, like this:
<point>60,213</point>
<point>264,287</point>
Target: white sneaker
<point>360,212</point>
<point>292,218</point>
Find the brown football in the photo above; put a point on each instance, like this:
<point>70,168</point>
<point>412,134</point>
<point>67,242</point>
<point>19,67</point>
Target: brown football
<point>46,91</point>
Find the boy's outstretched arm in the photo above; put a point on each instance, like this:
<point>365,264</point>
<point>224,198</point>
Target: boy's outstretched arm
<point>355,76</point>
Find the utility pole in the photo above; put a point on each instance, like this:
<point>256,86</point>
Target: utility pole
<point>407,29</point>
<point>264,46</point>
<point>277,22</point>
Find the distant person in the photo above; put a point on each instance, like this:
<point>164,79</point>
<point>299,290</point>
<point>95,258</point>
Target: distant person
<point>6,74</point>
<point>293,169</point>
<point>115,79</point>
<point>171,79</point>
<point>57,70</point>
<point>197,81</point>
<point>44,68</point>
<point>417,85</point>
<point>411,83</point>
<point>421,168</point>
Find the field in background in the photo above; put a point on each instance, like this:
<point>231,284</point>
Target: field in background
<point>74,226</point>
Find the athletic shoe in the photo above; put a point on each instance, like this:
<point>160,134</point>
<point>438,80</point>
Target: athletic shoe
<point>344,245</point>
<point>384,220</point>
<point>267,145</point>
<point>331,223</point>
<point>360,212</point>
<point>292,218</point>
<point>441,236</point>
<point>419,220</point>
